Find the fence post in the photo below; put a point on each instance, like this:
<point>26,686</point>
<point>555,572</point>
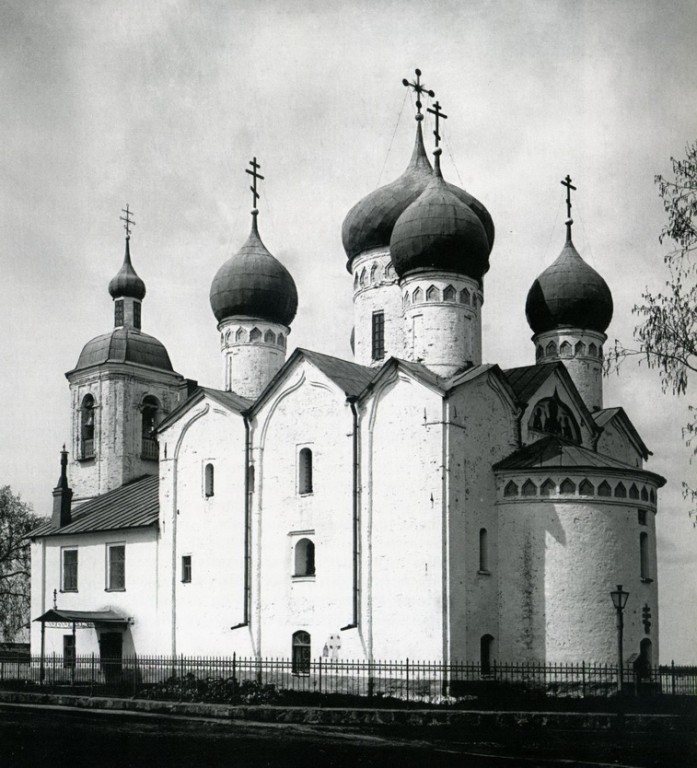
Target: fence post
<point>672,677</point>
<point>320,674</point>
<point>407,679</point>
<point>234,676</point>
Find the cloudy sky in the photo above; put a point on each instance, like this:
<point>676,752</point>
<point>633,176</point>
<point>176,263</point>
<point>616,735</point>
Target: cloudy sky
<point>161,105</point>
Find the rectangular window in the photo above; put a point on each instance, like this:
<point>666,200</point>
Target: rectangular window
<point>69,566</point>
<point>186,569</point>
<point>118,313</point>
<point>116,567</point>
<point>378,335</point>
<point>642,516</point>
<point>69,651</point>
<point>136,314</point>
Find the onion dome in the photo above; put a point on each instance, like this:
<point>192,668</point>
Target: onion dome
<point>569,293</point>
<point>440,231</point>
<point>125,345</point>
<point>254,283</point>
<point>126,282</point>
<point>369,223</point>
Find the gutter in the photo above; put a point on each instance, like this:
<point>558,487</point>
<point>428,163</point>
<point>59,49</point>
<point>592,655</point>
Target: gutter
<point>247,516</point>
<point>356,506</point>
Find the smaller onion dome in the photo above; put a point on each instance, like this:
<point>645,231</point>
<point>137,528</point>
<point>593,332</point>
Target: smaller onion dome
<point>124,345</point>
<point>440,231</point>
<point>370,222</point>
<point>254,283</point>
<point>570,294</point>
<point>126,282</point>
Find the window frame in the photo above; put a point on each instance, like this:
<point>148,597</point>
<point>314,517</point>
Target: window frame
<point>208,479</point>
<point>186,569</point>
<point>377,335</point>
<point>305,471</point>
<point>64,570</point>
<point>309,572</point>
<point>112,546</point>
<point>119,313</point>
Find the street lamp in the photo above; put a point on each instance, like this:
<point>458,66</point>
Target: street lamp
<point>619,600</point>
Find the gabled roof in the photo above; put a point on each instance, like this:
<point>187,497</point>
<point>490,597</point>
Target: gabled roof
<point>606,415</point>
<point>525,381</point>
<point>554,452</point>
<point>226,398</point>
<point>479,370</point>
<point>135,505</point>
<point>352,378</point>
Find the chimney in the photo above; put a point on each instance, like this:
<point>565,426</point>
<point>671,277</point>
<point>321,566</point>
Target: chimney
<point>62,495</point>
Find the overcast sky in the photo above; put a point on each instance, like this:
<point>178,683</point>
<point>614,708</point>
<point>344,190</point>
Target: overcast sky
<point>162,105</point>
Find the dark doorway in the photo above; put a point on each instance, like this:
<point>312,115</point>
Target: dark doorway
<point>111,654</point>
<point>486,644</point>
<point>644,662</point>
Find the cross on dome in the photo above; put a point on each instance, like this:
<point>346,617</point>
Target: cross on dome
<point>253,173</point>
<point>566,182</point>
<point>129,223</point>
<point>418,88</point>
<point>439,116</point>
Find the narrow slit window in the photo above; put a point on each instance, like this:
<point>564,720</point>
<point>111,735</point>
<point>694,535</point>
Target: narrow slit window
<point>378,335</point>
<point>483,550</point>
<point>209,481</point>
<point>186,569</point>
<point>118,313</point>
<point>69,575</point>
<point>305,470</point>
<point>116,567</point>
<point>644,554</point>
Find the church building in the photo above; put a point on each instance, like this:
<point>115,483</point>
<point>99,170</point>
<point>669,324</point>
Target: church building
<point>414,502</point>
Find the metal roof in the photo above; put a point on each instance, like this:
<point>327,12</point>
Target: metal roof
<point>135,505</point>
<point>553,452</point>
<point>351,377</point>
<point>61,616</point>
<point>124,345</point>
<point>525,381</point>
<point>606,415</point>
<point>228,398</point>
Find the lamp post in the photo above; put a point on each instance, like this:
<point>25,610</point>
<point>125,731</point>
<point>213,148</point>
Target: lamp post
<point>619,600</point>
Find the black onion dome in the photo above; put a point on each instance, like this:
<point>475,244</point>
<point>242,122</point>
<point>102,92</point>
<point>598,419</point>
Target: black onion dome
<point>126,282</point>
<point>370,222</point>
<point>439,231</point>
<point>481,212</point>
<point>569,293</point>
<point>124,345</point>
<point>254,283</point>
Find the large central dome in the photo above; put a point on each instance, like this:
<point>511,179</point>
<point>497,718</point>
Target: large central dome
<point>255,284</point>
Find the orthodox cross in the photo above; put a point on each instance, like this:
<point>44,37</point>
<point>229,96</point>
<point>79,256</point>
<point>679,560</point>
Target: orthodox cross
<point>129,223</point>
<point>253,173</point>
<point>418,90</point>
<point>439,116</point>
<point>569,221</point>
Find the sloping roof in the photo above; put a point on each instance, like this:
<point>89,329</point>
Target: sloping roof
<point>350,377</point>
<point>135,505</point>
<point>553,451</point>
<point>124,345</point>
<point>525,381</point>
<point>61,616</point>
<point>606,415</point>
<point>227,399</point>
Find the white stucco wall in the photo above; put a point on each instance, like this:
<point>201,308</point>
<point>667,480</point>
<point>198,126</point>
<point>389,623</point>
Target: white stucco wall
<point>137,601</point>
<point>196,617</point>
<point>613,441</point>
<point>559,560</point>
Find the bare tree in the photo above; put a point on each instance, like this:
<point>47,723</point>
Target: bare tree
<point>666,334</point>
<point>16,520</point>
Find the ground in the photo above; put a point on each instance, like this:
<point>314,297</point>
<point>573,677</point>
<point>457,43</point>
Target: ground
<point>38,736</point>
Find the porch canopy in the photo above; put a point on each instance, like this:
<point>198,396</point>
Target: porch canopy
<point>61,617</point>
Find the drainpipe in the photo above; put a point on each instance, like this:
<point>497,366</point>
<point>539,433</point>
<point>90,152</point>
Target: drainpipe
<point>356,498</point>
<point>247,517</point>
<point>519,426</point>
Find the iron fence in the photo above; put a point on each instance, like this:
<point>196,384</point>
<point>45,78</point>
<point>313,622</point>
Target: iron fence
<point>234,679</point>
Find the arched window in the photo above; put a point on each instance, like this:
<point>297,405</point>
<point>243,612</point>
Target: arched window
<point>389,272</point>
<point>373,270</point>
<point>529,488</point>
<point>474,299</point>
<point>554,417</point>
<point>432,294</point>
<point>645,660</point>
<point>568,486</point>
<point>149,409</point>
<point>417,295</point>
<point>485,651</point>
<point>586,488</point>
<point>548,488</point>
<point>644,494</point>
<point>281,341</point>
<point>511,489</point>
<point>604,489</point>
<point>644,554</point>
<point>483,550</point>
<point>652,496</point>
<point>305,471</point>
<point>209,481</point>
<point>304,558</point>
<point>87,428</point>
<point>539,352</point>
<point>406,300</point>
<point>449,294</point>
<point>592,350</point>
<point>364,277</point>
<point>302,653</point>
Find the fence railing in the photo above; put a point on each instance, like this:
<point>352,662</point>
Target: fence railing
<point>234,679</point>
